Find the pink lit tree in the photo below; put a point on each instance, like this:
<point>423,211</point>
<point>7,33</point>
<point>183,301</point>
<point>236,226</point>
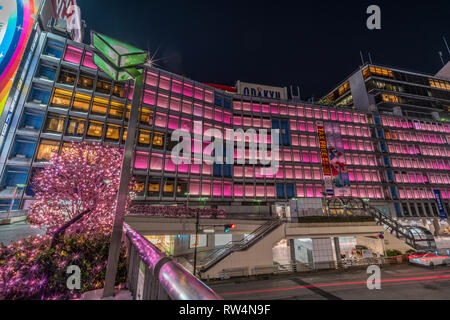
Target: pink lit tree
<point>76,193</point>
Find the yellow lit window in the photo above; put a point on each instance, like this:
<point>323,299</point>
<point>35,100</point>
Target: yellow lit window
<point>95,129</point>
<point>46,149</point>
<point>168,187</point>
<point>158,139</point>
<point>61,98</point>
<point>144,137</point>
<point>75,127</point>
<point>116,110</point>
<point>390,98</point>
<point>113,132</point>
<point>81,102</point>
<point>55,124</point>
<point>99,106</point>
<point>124,136</point>
<point>153,187</point>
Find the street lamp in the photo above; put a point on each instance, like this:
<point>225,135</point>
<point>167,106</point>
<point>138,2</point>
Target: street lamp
<point>14,197</point>
<point>121,62</point>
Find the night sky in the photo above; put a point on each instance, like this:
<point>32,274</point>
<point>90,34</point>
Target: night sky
<point>311,43</point>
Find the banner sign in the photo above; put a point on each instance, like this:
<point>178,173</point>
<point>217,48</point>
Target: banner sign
<point>325,158</point>
<point>339,172</point>
<point>261,91</point>
<point>440,204</point>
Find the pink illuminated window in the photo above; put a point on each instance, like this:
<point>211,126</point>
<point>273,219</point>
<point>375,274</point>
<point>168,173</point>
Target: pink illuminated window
<point>297,157</point>
<point>206,188</point>
<point>293,125</point>
<point>318,189</point>
<point>218,115</point>
<point>300,111</point>
<point>141,161</point>
<point>195,168</point>
<point>237,105</point>
<point>175,104</point>
<point>273,108</point>
<point>217,189</point>
<point>160,120</point>
<point>249,191</point>
<point>149,97</point>
<point>206,169</point>
<point>169,166</point>
<point>314,157</point>
<point>307,173</point>
<point>198,93</point>
<point>163,101</point>
<point>194,188</point>
<point>270,191</point>
<point>238,171</point>
<point>283,109</point>
<point>305,156</point>
<point>73,54</point>
<point>309,190</point>
<point>265,108</point>
<point>208,113</point>
<point>176,86</point>
<point>156,162</point>
<point>247,121</point>
<point>292,111</point>
<point>256,107</point>
<point>209,96</point>
<point>164,82</point>
<point>312,141</point>
<point>238,190</point>
<point>311,127</point>
<point>317,114</point>
<point>188,90</point>
<point>174,123</point>
<point>227,189</point>
<point>325,114</point>
<point>260,192</point>
<point>88,61</point>
<point>227,117</point>
<point>257,122</point>
<point>308,112</point>
<point>151,79</point>
<point>300,190</point>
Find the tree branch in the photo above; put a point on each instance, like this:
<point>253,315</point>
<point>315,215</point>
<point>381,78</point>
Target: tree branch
<point>63,228</point>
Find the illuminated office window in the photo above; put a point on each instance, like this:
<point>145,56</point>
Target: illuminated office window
<point>75,128</point>
<point>54,123</point>
<point>99,106</point>
<point>95,129</point>
<point>46,149</point>
<point>61,98</point>
<point>81,102</point>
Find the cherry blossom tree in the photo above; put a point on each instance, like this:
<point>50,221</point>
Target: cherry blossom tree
<point>77,191</point>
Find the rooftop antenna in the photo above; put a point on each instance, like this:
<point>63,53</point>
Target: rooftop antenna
<point>362,59</point>
<point>446,44</point>
<point>370,58</point>
<point>442,59</point>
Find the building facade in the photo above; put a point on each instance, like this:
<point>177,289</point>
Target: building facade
<point>381,89</point>
<point>395,162</point>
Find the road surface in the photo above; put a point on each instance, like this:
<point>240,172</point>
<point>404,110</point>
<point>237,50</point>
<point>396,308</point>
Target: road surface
<point>397,282</point>
<point>16,231</point>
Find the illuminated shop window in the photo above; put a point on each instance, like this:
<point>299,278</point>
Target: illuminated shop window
<point>75,127</point>
<point>151,79</point>
<point>201,243</point>
<point>61,98</point>
<point>144,137</point>
<point>46,149</point>
<point>154,187</point>
<point>54,123</point>
<point>81,102</point>
<point>95,129</point>
<point>116,110</point>
<point>99,106</point>
<point>112,133</point>
<point>164,82</point>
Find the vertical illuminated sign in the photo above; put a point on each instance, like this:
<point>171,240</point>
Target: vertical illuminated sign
<point>339,172</point>
<point>325,158</point>
<point>440,204</point>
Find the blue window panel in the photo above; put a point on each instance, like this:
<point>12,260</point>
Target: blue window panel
<point>380,133</point>
<point>46,72</point>
<point>32,120</point>
<point>227,103</point>
<point>5,204</point>
<point>377,119</point>
<point>218,100</point>
<point>217,170</point>
<point>390,176</point>
<point>54,48</point>
<point>24,147</point>
<point>285,133</point>
<point>398,209</point>
<point>290,190</point>
<point>387,161</point>
<point>227,170</point>
<point>39,96</point>
<point>280,191</point>
<point>275,124</point>
<point>383,146</point>
<point>14,177</point>
<point>394,193</point>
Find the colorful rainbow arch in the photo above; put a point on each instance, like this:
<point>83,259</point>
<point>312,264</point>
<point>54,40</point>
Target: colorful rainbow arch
<point>12,47</point>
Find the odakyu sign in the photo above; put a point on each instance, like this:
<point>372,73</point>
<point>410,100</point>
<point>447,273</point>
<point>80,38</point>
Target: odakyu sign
<point>261,91</point>
<point>16,23</point>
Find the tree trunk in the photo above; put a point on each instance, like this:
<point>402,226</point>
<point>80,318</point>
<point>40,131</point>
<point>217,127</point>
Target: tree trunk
<point>63,228</point>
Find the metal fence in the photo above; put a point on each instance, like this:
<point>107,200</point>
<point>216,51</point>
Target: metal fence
<point>154,276</point>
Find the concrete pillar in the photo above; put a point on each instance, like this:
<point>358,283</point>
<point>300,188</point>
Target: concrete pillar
<point>292,250</point>
<point>337,249</point>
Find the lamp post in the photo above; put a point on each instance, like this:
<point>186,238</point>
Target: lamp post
<point>14,197</point>
<point>120,61</point>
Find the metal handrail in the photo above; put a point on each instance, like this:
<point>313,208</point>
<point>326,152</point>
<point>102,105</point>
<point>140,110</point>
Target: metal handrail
<point>168,276</point>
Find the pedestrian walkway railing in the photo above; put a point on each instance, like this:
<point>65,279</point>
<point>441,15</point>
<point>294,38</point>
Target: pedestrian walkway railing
<point>154,276</point>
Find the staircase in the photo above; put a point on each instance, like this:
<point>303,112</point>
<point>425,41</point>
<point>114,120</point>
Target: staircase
<point>219,254</point>
<point>417,237</point>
